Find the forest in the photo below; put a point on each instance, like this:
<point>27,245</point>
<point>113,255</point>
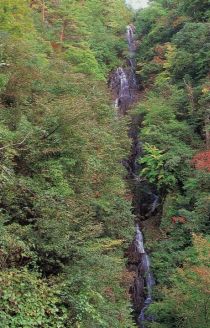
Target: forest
<point>66,209</point>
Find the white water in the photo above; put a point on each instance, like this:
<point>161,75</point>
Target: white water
<point>124,85</point>
<point>124,97</point>
<point>146,269</point>
<point>130,37</point>
<point>139,242</point>
<point>124,79</point>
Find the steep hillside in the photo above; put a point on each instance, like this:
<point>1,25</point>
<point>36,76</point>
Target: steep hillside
<point>65,219</point>
<point>173,68</point>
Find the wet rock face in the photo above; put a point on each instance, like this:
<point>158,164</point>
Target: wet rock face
<point>142,283</point>
<point>133,256</point>
<point>137,284</point>
<point>138,295</point>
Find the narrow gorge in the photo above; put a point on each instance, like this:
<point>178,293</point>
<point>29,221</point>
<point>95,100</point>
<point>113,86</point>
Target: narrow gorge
<point>126,87</point>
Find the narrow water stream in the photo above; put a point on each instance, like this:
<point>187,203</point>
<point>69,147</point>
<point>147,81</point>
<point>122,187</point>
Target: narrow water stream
<point>125,85</point>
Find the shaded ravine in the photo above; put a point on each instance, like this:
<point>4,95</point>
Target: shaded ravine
<point>125,86</point>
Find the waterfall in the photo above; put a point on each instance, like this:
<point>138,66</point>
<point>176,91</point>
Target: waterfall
<point>130,38</point>
<point>123,82</point>
<point>139,241</point>
<point>149,282</point>
<point>124,96</point>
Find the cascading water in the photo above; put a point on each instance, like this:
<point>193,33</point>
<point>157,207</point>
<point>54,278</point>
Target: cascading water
<point>131,56</point>
<point>149,282</point>
<point>125,85</point>
<point>143,271</point>
<point>123,80</point>
<point>124,94</point>
<point>139,241</point>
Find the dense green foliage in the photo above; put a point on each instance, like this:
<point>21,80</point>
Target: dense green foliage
<point>64,208</point>
<point>173,66</point>
<point>64,217</point>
